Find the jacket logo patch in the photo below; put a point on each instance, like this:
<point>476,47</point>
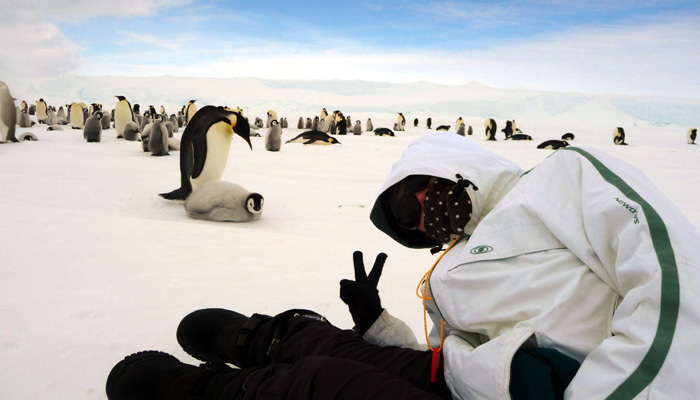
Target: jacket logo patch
<point>629,208</point>
<point>481,249</point>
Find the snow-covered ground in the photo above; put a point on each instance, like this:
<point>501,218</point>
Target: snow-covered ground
<point>95,265</point>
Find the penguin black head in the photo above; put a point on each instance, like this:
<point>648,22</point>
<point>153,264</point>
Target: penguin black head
<point>274,122</point>
<point>254,203</point>
<point>242,128</point>
<point>120,97</point>
<point>98,114</point>
<point>137,108</point>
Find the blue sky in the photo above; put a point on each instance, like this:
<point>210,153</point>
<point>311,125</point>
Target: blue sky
<point>643,47</point>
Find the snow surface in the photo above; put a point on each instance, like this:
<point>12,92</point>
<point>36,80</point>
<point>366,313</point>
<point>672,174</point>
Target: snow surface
<point>95,265</point>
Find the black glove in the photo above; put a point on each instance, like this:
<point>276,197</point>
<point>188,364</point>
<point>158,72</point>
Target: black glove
<point>361,295</point>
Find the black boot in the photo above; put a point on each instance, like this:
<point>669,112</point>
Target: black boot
<point>218,335</point>
<point>154,375</point>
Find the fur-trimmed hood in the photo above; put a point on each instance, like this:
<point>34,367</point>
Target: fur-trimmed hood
<point>445,155</point>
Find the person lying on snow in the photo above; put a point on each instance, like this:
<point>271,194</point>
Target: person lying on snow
<point>576,279</point>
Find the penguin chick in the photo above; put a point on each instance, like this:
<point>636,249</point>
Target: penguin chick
<point>273,140</point>
<point>225,202</point>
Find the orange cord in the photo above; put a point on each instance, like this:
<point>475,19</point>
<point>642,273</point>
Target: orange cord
<point>424,297</point>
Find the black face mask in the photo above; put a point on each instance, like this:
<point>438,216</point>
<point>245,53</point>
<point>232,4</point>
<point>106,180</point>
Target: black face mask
<point>447,210</point>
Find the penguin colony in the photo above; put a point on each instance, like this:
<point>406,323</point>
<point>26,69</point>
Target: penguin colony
<point>205,143</point>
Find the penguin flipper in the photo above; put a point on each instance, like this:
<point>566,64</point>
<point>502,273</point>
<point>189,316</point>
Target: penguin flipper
<point>198,154</point>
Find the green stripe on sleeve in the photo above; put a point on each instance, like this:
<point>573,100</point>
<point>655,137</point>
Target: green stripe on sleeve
<point>670,290</point>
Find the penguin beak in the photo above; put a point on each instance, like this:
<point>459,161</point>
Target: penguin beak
<point>242,129</point>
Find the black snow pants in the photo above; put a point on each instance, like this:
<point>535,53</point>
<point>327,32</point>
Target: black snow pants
<point>316,360</point>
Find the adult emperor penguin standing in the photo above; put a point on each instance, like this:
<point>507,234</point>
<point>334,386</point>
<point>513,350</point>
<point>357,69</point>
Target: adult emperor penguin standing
<point>122,114</point>
<point>205,146</point>
<point>401,123</point>
<point>77,117</point>
<point>271,116</point>
<point>8,114</point>
<point>41,111</point>
<point>189,111</point>
<point>692,134</point>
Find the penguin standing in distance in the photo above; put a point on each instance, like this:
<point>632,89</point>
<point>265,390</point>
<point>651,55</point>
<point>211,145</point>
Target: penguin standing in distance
<point>190,110</point>
<point>369,127</point>
<point>315,123</point>
<point>308,124</point>
<point>508,130</point>
<point>415,122</point>
<point>146,119</point>
<point>460,129</point>
<point>122,114</point>
<point>205,146</point>
<point>273,140</point>
<point>619,136</point>
<point>224,202</point>
<point>429,122</point>
<point>553,144</point>
<point>567,136</point>
<point>8,115</point>
<point>173,120</point>
<point>300,124</point>
<point>490,129</point>
<point>401,123</point>
<point>32,109</point>
<point>158,139</point>
<point>459,122</point>
<point>284,124</point>
<point>106,120</point>
<point>77,116</point>
<point>341,124</point>
<point>25,121</point>
<point>470,131</point>
<point>357,129</point>
<point>92,132</point>
<point>692,134</point>
<point>314,138</point>
<point>41,111</point>
<point>24,107</point>
<point>136,109</point>
<point>61,113</point>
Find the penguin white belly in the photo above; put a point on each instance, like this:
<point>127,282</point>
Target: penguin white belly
<point>219,139</point>
<point>122,115</point>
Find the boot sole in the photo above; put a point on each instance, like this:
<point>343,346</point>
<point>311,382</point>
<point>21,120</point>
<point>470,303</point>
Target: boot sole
<point>127,362</point>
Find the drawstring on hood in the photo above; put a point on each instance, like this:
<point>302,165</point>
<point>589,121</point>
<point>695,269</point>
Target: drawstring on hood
<point>460,162</point>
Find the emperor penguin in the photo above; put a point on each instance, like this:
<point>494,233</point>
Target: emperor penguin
<point>106,120</point>
<point>136,109</point>
<point>470,131</point>
<point>8,115</point>
<point>190,111</point>
<point>324,113</point>
<point>205,146</point>
<point>173,120</point>
<point>258,122</point>
<point>567,136</point>
<point>490,129</point>
<point>369,127</point>
<point>25,121</point>
<point>692,134</point>
<point>401,124</point>
<point>158,139</point>
<point>357,129</point>
<point>415,122</point>
<point>553,144</point>
<point>443,128</point>
<point>429,122</point>
<point>41,111</point>
<point>77,117</point>
<point>283,123</point>
<point>508,130</point>
<point>308,123</point>
<point>300,124</point>
<point>131,130</point>
<point>461,130</point>
<point>93,127</point>
<point>271,116</point>
<point>314,137</point>
<point>122,114</point>
<point>61,113</point>
<point>619,136</point>
<point>146,119</point>
<point>273,140</point>
<point>340,122</point>
<point>224,202</point>
<point>383,132</point>
<point>32,109</point>
<point>24,107</point>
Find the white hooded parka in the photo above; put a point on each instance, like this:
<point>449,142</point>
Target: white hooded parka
<point>581,254</point>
